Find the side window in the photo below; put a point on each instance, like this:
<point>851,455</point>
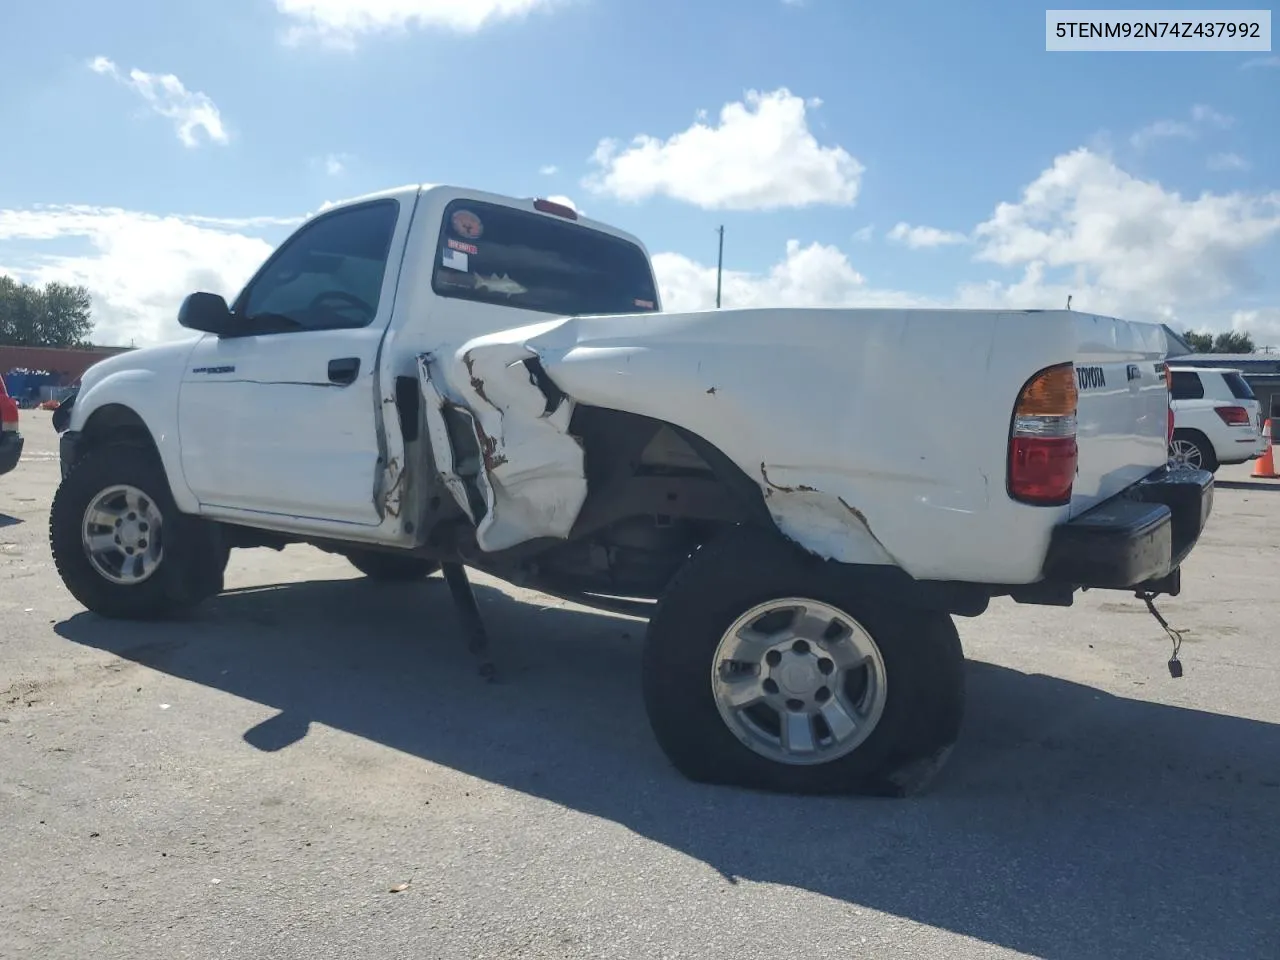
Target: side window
<point>1238,386</point>
<point>1187,385</point>
<point>326,276</point>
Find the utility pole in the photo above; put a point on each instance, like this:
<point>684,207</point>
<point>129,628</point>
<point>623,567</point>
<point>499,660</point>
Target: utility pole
<point>719,265</point>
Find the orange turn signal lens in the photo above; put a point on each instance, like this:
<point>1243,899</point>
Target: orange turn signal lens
<point>1050,393</point>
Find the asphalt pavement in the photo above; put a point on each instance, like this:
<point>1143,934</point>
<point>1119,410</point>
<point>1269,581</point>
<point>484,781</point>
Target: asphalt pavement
<point>310,767</point>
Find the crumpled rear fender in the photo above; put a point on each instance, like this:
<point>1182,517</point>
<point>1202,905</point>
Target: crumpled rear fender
<point>516,391</point>
<point>530,474</point>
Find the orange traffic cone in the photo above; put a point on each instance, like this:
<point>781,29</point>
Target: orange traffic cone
<point>1265,465</point>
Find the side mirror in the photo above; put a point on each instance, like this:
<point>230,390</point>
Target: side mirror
<point>206,312</point>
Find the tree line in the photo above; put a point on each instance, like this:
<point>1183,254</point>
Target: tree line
<point>1233,341</point>
<point>55,315</point>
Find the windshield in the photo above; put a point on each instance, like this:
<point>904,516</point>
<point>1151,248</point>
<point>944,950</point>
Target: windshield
<point>515,258</point>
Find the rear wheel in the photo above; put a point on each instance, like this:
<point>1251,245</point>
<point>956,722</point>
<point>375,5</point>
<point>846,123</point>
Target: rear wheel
<point>1191,450</point>
<point>120,544</point>
<point>767,668</point>
<point>390,568</point>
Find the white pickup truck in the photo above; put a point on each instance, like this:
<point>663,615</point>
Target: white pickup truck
<point>435,378</point>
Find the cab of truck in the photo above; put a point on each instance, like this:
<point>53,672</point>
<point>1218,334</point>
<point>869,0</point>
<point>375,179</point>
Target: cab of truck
<point>327,322</point>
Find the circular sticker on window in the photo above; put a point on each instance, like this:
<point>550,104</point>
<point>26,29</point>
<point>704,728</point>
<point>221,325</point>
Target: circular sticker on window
<point>467,224</point>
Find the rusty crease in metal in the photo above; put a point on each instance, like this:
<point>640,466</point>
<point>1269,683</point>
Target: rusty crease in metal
<point>800,488</point>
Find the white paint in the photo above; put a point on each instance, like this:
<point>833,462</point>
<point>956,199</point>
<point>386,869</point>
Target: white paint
<point>147,382</point>
<point>533,478</point>
<point>438,435</point>
<point>901,415</point>
<point>265,432</point>
<point>876,435</point>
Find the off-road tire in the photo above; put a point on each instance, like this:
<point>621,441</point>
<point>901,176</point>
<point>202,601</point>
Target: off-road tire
<point>923,663</point>
<point>389,568</point>
<point>190,570</point>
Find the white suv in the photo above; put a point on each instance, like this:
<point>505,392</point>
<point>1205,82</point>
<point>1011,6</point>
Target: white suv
<point>1216,418</point>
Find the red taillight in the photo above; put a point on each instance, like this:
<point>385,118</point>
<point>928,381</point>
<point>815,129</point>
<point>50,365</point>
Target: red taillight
<point>8,413</point>
<point>1043,455</point>
<point>559,209</point>
<point>1233,416</point>
<point>1169,438</point>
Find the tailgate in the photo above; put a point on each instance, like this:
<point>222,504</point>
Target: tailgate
<point>1123,407</point>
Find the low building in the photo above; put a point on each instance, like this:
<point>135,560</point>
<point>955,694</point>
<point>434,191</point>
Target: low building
<point>68,366</point>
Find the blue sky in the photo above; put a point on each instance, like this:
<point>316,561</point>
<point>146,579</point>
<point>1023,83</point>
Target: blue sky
<point>1145,184</point>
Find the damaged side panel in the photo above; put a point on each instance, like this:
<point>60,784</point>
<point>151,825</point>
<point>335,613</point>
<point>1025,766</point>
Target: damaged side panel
<point>438,433</point>
<point>512,466</point>
<point>823,524</point>
<point>530,480</point>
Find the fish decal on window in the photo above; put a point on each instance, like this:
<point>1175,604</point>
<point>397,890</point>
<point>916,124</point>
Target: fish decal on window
<point>499,284</point>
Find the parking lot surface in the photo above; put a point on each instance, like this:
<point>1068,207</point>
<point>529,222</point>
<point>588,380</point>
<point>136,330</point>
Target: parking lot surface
<point>310,767</point>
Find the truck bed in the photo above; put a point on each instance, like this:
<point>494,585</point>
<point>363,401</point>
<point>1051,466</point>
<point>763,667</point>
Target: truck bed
<point>876,436</point>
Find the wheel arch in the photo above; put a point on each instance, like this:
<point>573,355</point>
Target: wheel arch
<point>1200,437</point>
<point>115,423</point>
<point>636,464</point>
<point>616,442</point>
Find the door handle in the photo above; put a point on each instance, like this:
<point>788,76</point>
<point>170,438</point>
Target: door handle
<point>345,370</point>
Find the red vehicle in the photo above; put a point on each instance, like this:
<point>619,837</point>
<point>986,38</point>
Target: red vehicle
<point>10,438</point>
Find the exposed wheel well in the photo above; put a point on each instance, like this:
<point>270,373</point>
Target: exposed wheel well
<point>656,492</point>
<point>116,423</point>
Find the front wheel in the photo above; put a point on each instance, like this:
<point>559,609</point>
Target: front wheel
<point>120,544</point>
<point>767,668</point>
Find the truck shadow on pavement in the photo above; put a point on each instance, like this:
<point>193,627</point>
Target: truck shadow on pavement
<point>1070,822</point>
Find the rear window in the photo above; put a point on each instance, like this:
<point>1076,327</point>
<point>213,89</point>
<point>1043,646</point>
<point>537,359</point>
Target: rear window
<point>515,258</point>
<point>1187,385</point>
<point>1238,387</point>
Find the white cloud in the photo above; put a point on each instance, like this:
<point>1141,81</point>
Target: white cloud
<point>1261,63</point>
<point>1263,325</point>
<point>761,156</point>
<point>138,266</point>
<point>816,275</point>
<point>1201,113</point>
<point>1130,237</point>
<point>342,22</point>
<point>550,170</point>
<point>1083,228</point>
<point>864,234</point>
<point>190,111</point>
<point>922,237</point>
<point>332,164</point>
<point>1161,130</point>
<point>1227,161</point>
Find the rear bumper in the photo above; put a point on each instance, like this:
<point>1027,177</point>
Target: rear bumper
<point>10,451</point>
<point>1136,539</point>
